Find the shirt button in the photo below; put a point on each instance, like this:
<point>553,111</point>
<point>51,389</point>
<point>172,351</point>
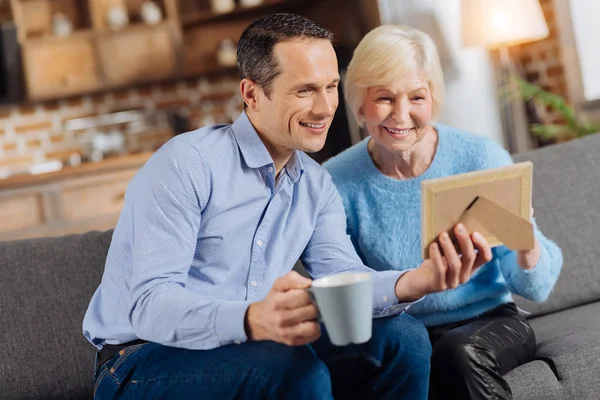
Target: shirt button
<point>254,283</point>
<point>270,169</point>
<point>259,242</point>
<point>385,298</point>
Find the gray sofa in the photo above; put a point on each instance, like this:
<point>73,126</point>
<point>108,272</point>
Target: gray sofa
<point>566,198</point>
<point>46,284</point>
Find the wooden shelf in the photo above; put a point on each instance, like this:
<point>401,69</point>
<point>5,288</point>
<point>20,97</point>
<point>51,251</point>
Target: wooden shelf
<point>87,168</point>
<point>207,70</point>
<point>75,199</point>
<point>135,27</point>
<point>41,40</point>
<point>205,17</point>
<point>93,33</point>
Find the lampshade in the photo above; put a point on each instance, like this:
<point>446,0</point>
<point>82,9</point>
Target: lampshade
<point>495,23</point>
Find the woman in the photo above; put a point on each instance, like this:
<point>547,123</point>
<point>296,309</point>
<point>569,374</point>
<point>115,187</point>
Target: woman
<point>395,87</point>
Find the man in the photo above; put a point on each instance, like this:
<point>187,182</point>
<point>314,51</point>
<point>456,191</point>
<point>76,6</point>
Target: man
<point>197,298</point>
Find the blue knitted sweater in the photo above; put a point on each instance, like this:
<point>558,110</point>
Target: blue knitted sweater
<point>384,224</point>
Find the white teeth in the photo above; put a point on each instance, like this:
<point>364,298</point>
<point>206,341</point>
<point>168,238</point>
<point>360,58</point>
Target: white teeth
<point>314,126</point>
<point>398,131</point>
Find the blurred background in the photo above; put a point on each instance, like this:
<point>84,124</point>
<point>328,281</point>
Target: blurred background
<point>90,88</point>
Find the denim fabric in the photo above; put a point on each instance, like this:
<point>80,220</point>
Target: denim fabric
<point>394,364</point>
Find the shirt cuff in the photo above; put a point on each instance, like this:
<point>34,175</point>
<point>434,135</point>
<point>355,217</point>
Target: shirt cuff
<point>229,323</point>
<point>384,292</point>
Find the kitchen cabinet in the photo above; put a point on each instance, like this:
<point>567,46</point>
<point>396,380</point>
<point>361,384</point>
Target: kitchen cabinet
<point>140,55</point>
<point>92,56</point>
<point>61,66</point>
<point>74,200</point>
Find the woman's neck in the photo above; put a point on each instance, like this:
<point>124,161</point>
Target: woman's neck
<point>407,164</point>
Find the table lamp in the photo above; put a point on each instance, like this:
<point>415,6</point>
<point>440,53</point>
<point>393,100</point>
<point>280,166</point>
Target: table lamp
<point>498,24</point>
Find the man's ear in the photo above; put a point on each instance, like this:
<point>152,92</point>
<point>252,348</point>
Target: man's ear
<point>250,93</point>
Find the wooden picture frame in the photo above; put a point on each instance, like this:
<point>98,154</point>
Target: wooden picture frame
<point>504,209</point>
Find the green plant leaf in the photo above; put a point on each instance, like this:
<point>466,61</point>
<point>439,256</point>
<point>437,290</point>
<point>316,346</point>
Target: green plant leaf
<point>550,131</point>
<point>573,127</point>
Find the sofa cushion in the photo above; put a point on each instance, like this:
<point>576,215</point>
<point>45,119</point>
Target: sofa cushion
<point>45,288</point>
<point>566,198</point>
<point>567,363</point>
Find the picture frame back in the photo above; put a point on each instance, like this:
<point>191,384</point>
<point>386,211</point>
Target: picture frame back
<point>444,200</point>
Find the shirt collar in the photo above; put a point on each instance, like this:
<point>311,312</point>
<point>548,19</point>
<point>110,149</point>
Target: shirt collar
<point>294,167</point>
<point>255,153</point>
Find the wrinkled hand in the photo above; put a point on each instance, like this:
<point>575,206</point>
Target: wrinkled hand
<point>527,259</point>
<point>287,315</point>
<point>445,269</point>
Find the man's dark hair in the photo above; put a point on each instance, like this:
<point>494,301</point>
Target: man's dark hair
<point>255,58</point>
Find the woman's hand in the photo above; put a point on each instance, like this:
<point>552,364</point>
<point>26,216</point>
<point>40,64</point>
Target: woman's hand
<point>445,269</point>
<point>528,259</point>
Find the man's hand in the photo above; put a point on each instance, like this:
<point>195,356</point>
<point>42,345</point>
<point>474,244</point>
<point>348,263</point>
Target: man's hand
<point>287,315</point>
<point>445,269</point>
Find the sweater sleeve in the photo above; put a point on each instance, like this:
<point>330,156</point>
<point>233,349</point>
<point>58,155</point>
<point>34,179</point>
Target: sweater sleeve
<point>495,156</point>
<point>534,284</point>
<point>537,283</point>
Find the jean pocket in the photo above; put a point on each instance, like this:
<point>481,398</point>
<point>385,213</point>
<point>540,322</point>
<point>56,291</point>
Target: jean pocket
<point>121,365</point>
<point>101,375</point>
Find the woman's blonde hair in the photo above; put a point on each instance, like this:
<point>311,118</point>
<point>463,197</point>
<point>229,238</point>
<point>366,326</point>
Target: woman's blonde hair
<point>386,54</point>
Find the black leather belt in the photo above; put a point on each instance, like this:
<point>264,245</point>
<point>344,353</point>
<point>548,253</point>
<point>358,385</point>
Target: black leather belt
<point>108,351</point>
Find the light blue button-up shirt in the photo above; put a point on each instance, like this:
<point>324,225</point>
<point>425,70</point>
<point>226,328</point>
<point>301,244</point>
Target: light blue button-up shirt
<point>206,229</point>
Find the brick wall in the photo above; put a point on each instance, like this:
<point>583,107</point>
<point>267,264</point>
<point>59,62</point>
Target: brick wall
<point>542,61</point>
<point>34,133</point>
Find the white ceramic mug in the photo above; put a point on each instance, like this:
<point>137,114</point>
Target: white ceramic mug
<point>345,303</point>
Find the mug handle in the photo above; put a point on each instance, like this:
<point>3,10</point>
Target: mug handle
<point>311,293</point>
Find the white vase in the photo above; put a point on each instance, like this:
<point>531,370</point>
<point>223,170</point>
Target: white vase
<point>250,3</point>
<point>151,13</point>
<point>222,6</point>
<point>61,26</point>
<point>227,54</point>
<point>117,18</point>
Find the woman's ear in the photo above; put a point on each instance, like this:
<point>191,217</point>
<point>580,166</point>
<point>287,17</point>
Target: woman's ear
<point>361,117</point>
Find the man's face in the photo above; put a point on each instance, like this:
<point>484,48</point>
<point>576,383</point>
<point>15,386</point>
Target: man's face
<point>303,98</point>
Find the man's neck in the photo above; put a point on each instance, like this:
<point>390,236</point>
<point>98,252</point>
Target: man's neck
<point>280,155</point>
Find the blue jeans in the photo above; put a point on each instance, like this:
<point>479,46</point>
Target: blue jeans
<point>394,364</point>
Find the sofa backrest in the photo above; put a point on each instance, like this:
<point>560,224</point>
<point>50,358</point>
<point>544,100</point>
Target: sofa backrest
<point>566,199</point>
<point>45,287</point>
<point>46,284</point>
